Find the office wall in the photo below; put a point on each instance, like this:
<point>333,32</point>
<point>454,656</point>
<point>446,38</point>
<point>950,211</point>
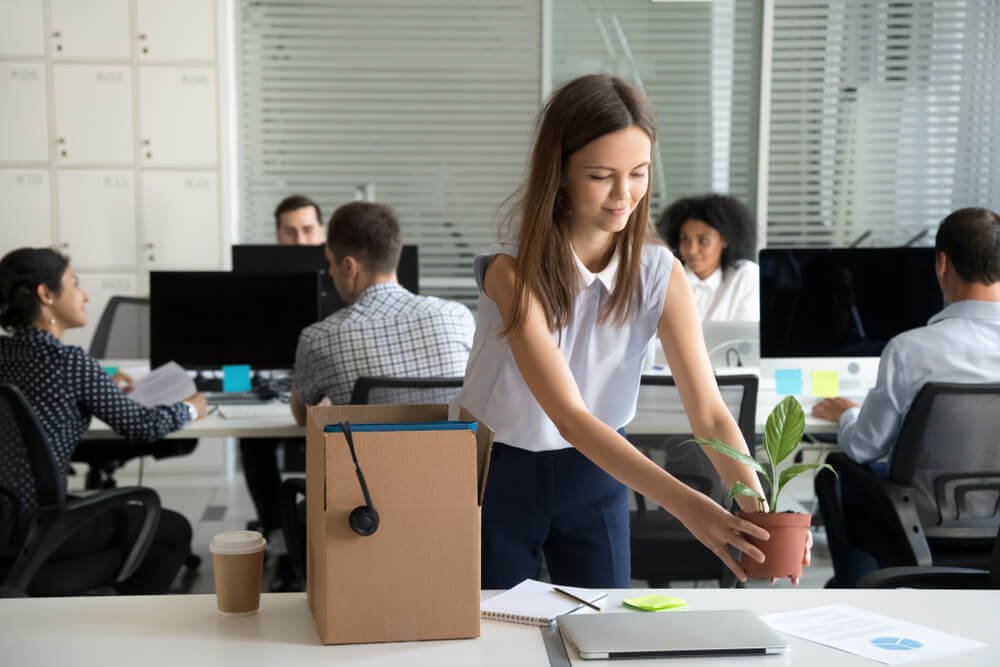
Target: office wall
<point>110,138</point>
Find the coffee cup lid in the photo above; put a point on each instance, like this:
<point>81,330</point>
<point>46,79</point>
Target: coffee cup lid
<point>235,542</point>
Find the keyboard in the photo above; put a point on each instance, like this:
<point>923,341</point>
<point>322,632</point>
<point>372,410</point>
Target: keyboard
<point>260,410</point>
<point>233,398</point>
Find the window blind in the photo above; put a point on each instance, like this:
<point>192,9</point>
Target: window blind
<point>431,101</point>
<point>884,118</point>
<point>699,64</point>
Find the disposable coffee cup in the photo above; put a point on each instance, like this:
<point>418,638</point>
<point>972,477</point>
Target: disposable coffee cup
<point>238,562</point>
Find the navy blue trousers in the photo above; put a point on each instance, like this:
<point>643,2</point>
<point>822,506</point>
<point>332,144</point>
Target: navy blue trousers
<point>559,504</point>
<point>850,562</point>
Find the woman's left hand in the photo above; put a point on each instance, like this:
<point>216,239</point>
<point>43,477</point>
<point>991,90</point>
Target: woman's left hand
<point>123,381</point>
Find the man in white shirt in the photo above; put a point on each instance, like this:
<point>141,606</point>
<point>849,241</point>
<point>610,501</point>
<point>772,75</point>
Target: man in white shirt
<point>959,344</point>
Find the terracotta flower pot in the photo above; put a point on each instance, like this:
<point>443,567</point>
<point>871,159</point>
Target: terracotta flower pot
<point>786,548</point>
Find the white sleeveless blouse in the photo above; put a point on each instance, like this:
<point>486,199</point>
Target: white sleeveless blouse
<point>606,359</point>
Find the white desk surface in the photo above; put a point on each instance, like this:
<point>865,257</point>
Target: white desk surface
<point>186,630</point>
<point>216,426</point>
<point>650,418</point>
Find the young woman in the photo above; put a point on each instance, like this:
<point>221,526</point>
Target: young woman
<point>40,298</point>
<point>715,237</point>
<point>565,315</point>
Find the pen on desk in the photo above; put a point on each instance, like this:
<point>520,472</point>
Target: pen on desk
<point>576,597</point>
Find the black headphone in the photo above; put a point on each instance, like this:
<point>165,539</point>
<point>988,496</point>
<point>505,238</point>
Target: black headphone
<point>364,518</point>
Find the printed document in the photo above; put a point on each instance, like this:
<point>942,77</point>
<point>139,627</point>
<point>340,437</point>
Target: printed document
<point>882,638</point>
<point>167,384</point>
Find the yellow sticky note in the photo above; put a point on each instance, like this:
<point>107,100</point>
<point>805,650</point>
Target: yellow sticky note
<point>825,384</point>
<point>655,603</point>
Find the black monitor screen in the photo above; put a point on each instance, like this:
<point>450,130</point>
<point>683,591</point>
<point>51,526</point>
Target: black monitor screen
<point>288,258</point>
<point>843,302</point>
<point>207,319</point>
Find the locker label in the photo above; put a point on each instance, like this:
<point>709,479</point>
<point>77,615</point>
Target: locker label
<point>196,183</point>
<point>110,77</point>
<point>194,79</point>
<point>24,74</point>
<point>115,181</point>
<point>28,179</point>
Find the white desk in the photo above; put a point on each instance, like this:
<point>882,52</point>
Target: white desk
<point>216,426</point>
<point>651,416</point>
<point>185,629</point>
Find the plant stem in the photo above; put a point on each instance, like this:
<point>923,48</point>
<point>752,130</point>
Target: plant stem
<point>774,486</point>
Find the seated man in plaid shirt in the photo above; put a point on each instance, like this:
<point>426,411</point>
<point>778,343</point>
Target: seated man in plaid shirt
<point>386,330</point>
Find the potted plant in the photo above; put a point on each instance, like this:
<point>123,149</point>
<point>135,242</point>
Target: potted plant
<point>782,434</point>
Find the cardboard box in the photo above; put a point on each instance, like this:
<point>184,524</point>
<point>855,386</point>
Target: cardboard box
<point>418,576</point>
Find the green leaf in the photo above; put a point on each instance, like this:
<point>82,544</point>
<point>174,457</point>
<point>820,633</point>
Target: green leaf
<point>794,471</point>
<point>741,489</point>
<point>784,429</point>
<point>729,451</point>
<point>790,473</point>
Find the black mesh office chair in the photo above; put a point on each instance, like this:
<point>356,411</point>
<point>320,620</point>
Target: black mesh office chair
<point>663,550</point>
<point>123,333</point>
<point>937,576</point>
<point>32,530</point>
<point>941,502</point>
<point>367,390</point>
<point>404,391</point>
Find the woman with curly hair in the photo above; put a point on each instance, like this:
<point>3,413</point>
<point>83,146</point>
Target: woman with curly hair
<point>715,237</point>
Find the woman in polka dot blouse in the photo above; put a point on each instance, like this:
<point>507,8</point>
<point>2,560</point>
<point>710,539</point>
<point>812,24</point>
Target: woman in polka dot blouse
<point>40,298</point>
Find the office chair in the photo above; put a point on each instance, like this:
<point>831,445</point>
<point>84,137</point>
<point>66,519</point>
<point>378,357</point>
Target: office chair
<point>386,390</point>
<point>663,550</point>
<point>941,502</point>
<point>937,576</point>
<point>402,391</point>
<point>123,333</point>
<point>36,518</point>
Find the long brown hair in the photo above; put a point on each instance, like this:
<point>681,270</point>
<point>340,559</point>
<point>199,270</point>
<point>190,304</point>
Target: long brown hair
<point>579,112</point>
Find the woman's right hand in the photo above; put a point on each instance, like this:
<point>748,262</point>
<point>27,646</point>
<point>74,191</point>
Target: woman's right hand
<point>199,403</point>
<point>714,527</point>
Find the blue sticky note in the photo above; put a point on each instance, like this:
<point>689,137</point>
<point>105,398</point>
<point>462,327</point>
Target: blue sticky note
<point>788,381</point>
<point>236,378</point>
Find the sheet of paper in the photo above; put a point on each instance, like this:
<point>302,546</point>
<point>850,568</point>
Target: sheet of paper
<point>881,638</point>
<point>167,384</point>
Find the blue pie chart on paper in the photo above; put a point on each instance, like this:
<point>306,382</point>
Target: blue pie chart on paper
<point>896,643</point>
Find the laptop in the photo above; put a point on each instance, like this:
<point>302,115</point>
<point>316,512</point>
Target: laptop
<point>670,634</point>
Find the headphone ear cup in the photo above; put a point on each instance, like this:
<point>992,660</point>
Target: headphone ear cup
<point>363,520</point>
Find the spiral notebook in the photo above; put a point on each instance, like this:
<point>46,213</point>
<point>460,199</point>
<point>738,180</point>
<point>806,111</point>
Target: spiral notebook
<point>535,603</point>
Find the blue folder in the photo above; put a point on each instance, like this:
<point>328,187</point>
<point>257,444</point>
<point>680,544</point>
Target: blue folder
<point>405,426</point>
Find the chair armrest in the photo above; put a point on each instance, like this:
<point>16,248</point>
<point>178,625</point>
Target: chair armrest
<point>52,526</point>
<point>925,577</point>
<point>891,500</point>
<point>291,489</point>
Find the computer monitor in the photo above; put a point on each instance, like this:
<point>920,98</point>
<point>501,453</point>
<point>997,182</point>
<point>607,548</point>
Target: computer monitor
<point>208,319</point>
<point>731,343</point>
<point>289,258</point>
<point>836,308</point>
